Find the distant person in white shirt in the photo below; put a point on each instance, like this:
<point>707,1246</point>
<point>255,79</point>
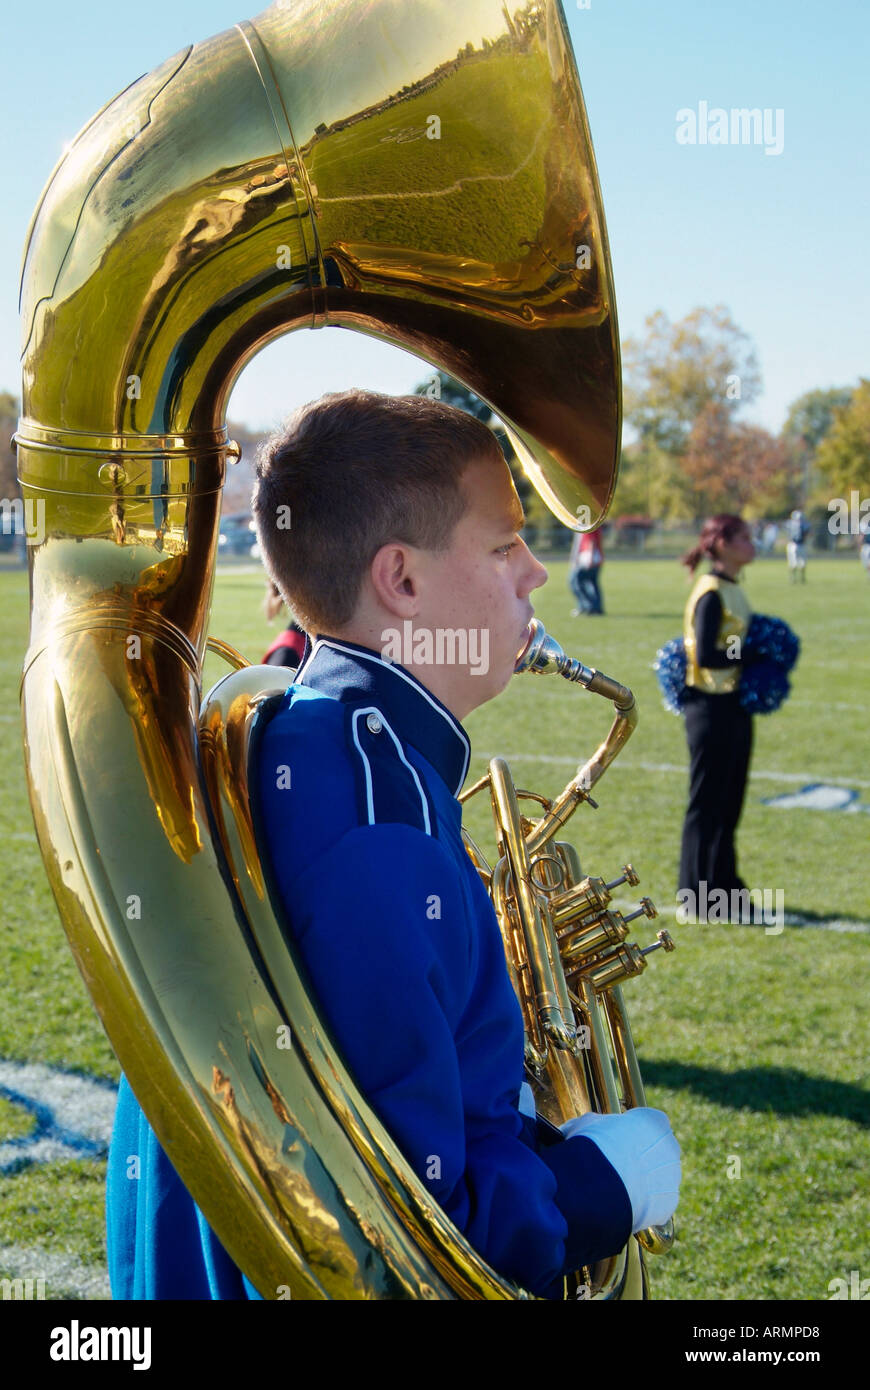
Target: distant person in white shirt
<point>796,550</point>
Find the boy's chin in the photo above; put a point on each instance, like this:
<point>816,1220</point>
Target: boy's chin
<point>477,689</point>
<point>492,682</point>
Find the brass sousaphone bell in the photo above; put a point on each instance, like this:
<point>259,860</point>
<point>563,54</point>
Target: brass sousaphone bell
<point>421,172</point>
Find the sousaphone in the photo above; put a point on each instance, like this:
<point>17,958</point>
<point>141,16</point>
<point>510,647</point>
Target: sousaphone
<point>420,172</point>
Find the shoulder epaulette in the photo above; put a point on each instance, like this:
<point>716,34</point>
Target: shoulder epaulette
<point>389,789</point>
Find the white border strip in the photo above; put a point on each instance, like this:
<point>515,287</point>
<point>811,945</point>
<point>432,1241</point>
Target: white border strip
<point>452,723</point>
<point>370,709</point>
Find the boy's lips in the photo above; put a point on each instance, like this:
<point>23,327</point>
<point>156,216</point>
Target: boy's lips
<point>524,636</point>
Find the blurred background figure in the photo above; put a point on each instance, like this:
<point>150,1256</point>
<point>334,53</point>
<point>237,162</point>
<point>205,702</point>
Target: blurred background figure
<point>798,529</point>
<point>771,531</point>
<point>587,557</point>
<point>288,648</point>
<point>864,547</point>
<point>718,729</point>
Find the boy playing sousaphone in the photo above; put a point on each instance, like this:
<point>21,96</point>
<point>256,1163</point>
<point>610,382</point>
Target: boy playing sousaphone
<point>403,511</point>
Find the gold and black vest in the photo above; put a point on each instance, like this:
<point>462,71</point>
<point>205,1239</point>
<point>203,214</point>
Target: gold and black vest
<point>736,613</point>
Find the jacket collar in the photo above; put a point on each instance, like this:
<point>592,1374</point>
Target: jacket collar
<point>355,674</point>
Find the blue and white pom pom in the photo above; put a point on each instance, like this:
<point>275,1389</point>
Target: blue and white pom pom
<point>774,639</point>
<point>764,685</point>
<point>670,668</point>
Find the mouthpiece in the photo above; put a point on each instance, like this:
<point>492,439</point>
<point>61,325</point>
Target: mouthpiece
<point>543,655</point>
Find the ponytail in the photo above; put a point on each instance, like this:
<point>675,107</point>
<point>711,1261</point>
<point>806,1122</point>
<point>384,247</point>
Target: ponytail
<point>723,527</point>
<point>692,558</point>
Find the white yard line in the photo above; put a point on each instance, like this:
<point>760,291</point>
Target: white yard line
<point>73,1114</point>
<point>682,768</point>
<point>829,704</point>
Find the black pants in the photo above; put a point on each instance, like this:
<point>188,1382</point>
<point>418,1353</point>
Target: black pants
<point>586,588</point>
<point>719,733</point>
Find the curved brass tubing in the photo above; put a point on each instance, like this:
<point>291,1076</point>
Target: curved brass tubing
<point>259,182</point>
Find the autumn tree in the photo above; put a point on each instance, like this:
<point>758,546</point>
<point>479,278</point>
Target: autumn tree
<point>811,416</point>
<point>653,482</point>
<point>809,421</point>
<point>733,466</point>
<point>649,471</point>
<point>677,369</point>
<point>843,456</point>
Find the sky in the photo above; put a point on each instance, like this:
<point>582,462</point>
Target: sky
<point>781,239</point>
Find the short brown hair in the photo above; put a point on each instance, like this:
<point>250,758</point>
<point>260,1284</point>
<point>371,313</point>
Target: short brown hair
<point>357,469</point>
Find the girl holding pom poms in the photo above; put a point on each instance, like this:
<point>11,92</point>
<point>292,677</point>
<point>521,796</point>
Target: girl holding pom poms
<point>718,728</point>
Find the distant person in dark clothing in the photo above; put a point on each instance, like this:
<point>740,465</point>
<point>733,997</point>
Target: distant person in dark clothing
<point>288,648</point>
<point>587,557</point>
<point>865,544</point>
<point>718,729</point>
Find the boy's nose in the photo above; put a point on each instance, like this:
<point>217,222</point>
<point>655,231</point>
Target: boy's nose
<point>538,572</point>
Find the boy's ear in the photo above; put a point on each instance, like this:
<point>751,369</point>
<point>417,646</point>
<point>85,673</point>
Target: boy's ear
<point>395,578</point>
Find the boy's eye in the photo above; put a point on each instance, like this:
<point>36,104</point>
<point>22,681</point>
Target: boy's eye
<point>503,549</point>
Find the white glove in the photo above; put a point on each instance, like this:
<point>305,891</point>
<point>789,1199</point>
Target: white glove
<point>641,1146</point>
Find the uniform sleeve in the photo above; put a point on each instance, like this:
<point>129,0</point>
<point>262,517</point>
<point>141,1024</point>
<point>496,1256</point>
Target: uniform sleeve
<point>384,929</point>
<point>706,621</point>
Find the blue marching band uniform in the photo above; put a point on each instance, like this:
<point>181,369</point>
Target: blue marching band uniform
<point>403,948</point>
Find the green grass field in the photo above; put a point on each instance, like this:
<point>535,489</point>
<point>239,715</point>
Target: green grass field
<point>751,1041</point>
